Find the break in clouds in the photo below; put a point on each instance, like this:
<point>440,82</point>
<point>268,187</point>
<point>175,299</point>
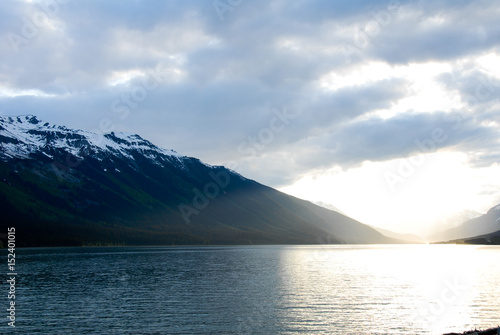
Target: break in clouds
<point>271,88</point>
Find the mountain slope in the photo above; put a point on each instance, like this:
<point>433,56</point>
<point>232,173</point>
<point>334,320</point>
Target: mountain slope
<point>410,238</point>
<point>486,239</point>
<point>68,187</point>
<point>485,224</point>
<point>491,238</point>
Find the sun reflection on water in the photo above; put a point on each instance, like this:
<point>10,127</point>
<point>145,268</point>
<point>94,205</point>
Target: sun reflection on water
<point>433,288</point>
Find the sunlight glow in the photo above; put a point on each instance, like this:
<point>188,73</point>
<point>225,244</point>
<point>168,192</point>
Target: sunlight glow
<point>395,194</point>
<point>13,93</point>
<point>123,77</point>
<point>371,72</point>
<point>489,64</point>
<point>424,94</point>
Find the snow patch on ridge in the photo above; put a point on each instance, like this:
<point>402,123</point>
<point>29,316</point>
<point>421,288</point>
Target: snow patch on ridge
<point>24,135</point>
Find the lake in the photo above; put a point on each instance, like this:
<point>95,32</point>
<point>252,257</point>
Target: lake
<point>340,289</point>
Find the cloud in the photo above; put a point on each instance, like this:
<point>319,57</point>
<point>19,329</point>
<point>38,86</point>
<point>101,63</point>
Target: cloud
<point>440,30</point>
<point>378,140</point>
<point>410,134</point>
<point>213,82</point>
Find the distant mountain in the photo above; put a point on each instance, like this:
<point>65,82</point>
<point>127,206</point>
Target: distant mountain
<point>486,239</point>
<point>403,238</point>
<point>452,221</point>
<point>412,238</point>
<point>485,224</point>
<point>491,238</point>
<point>60,186</point>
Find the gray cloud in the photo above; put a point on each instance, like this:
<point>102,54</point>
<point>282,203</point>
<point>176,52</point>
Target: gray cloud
<point>377,139</point>
<point>440,30</point>
<point>409,134</point>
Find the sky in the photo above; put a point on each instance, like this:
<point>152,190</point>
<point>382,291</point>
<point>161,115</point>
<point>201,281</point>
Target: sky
<point>387,111</point>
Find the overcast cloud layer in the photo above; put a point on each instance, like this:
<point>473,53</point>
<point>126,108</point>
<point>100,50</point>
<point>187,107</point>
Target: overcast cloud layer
<point>274,89</point>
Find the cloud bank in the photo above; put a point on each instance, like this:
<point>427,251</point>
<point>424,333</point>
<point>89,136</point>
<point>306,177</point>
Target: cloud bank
<point>364,81</point>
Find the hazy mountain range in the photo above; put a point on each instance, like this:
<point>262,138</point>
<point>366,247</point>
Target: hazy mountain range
<point>60,186</point>
<point>486,226</point>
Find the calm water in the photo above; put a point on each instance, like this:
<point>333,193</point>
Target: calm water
<point>256,290</point>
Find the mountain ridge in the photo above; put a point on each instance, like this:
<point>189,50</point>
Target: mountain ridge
<point>73,187</point>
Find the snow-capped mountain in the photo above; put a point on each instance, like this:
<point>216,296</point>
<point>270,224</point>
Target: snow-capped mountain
<point>60,186</point>
<point>24,135</point>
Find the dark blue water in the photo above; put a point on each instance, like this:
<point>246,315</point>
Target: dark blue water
<point>251,290</point>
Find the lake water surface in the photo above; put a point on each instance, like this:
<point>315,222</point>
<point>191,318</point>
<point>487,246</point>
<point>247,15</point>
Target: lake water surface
<point>405,289</point>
